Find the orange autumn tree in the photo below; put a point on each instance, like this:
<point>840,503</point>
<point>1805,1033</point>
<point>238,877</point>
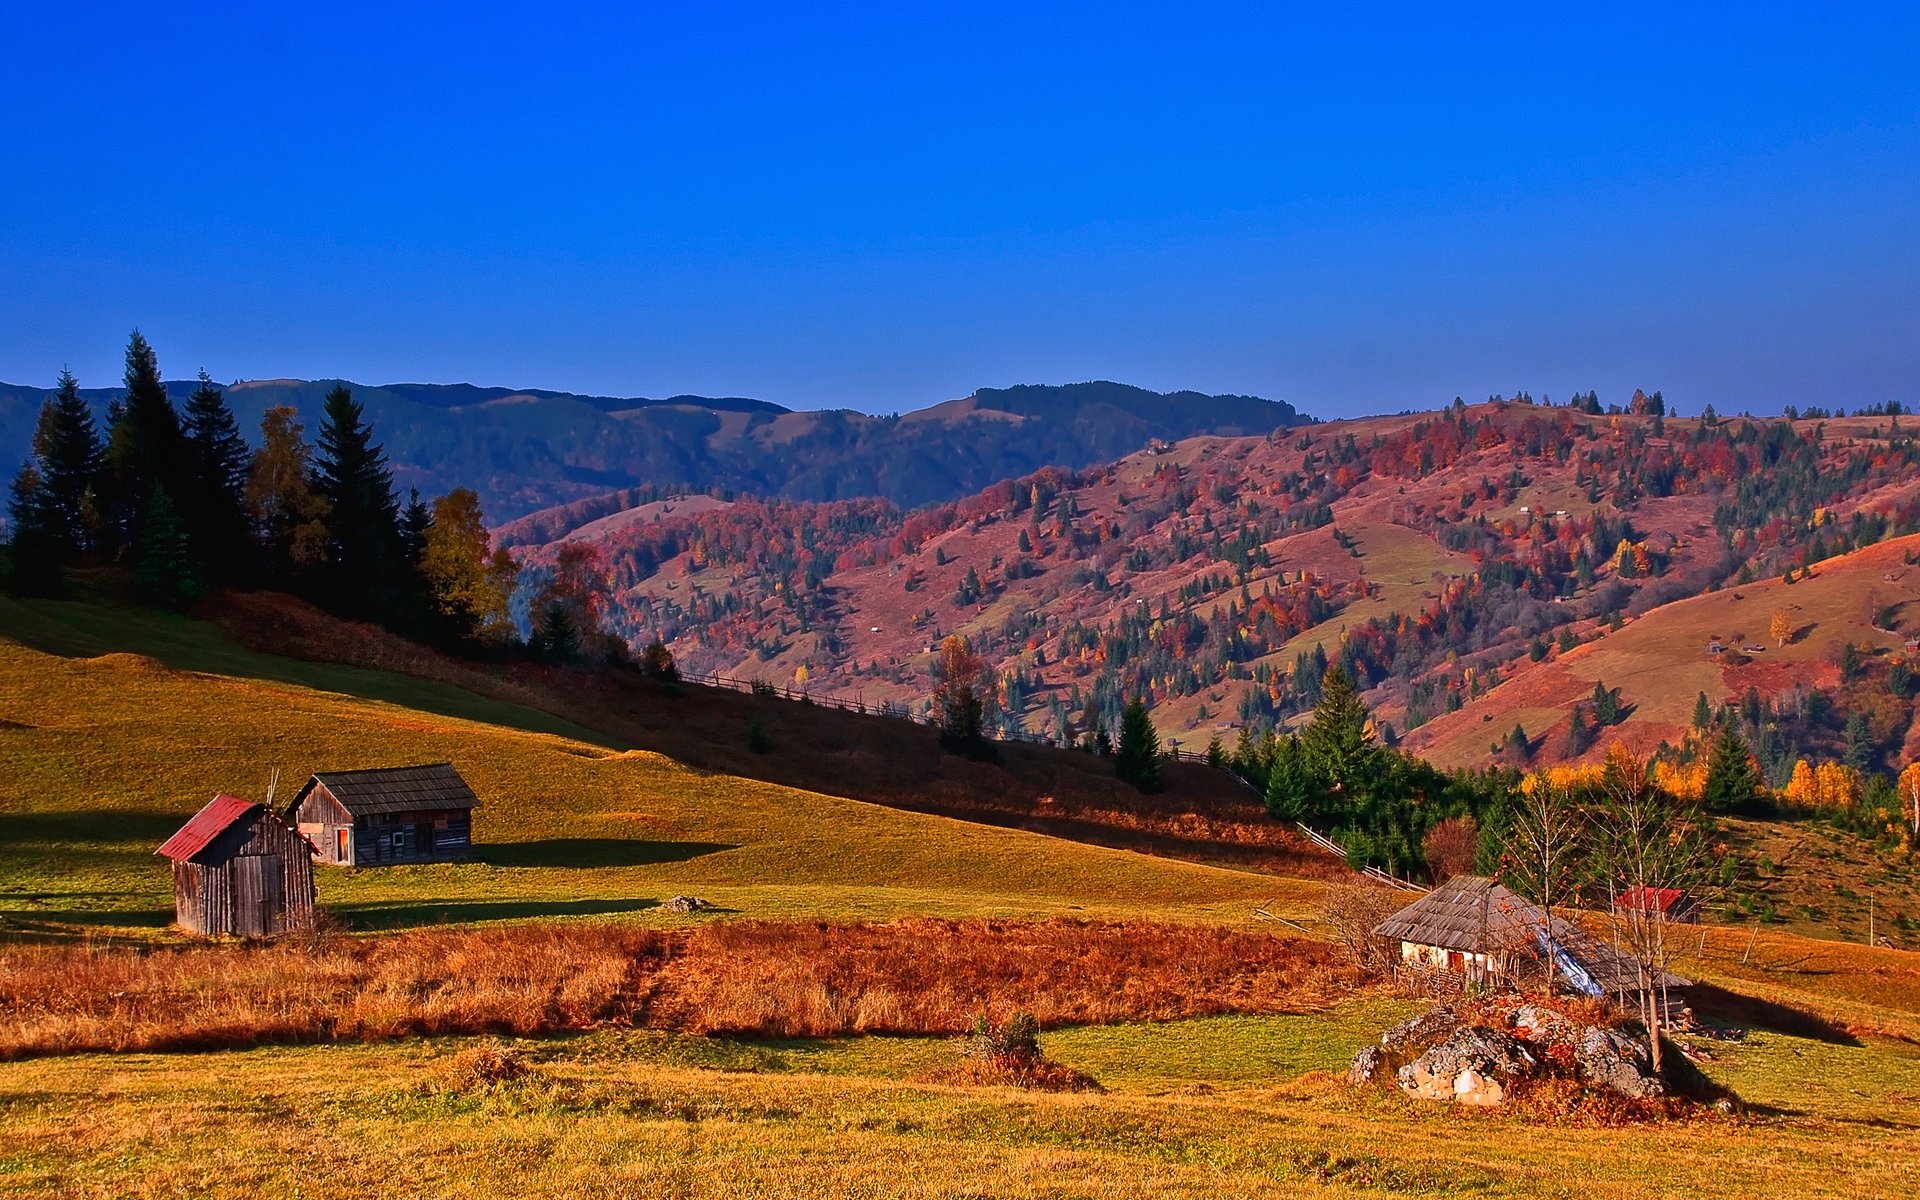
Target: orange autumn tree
<point>1781,626</point>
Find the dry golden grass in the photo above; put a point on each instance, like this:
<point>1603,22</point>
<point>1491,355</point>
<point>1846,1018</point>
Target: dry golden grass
<point>759,978</point>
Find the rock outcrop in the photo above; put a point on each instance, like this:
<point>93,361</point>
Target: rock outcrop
<point>1478,1054</point>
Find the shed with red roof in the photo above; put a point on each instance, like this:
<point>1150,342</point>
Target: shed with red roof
<point>239,869</point>
<point>1672,904</point>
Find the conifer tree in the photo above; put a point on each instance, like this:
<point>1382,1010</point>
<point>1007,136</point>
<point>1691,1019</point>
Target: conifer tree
<point>1732,782</point>
<point>1137,758</point>
<point>1292,792</point>
<point>1702,713</point>
<point>366,565</point>
<point>143,451</point>
<point>33,558</point>
<point>67,452</point>
<point>164,571</point>
<point>217,463</point>
<point>1336,745</point>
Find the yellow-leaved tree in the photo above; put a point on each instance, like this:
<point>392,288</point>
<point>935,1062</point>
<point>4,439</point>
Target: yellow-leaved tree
<point>1781,627</point>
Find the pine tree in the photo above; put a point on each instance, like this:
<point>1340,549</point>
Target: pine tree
<point>33,558</point>
<point>1292,792</point>
<point>164,571</point>
<point>217,462</point>
<point>1702,713</point>
<point>143,454</point>
<point>1137,759</point>
<point>366,565</point>
<point>67,450</point>
<point>1732,782</point>
<point>1337,746</point>
<point>1606,706</point>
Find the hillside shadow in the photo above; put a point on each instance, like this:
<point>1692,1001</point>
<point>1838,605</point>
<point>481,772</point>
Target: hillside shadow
<point>1733,1008</point>
<point>79,629</point>
<point>584,853</point>
<point>403,914</point>
<point>63,828</point>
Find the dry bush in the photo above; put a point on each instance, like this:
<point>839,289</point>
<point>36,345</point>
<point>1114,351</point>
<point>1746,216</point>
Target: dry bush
<point>1451,846</point>
<point>758,978</point>
<point>1008,1055</point>
<point>926,975</point>
<point>1354,908</point>
<point>483,1067</point>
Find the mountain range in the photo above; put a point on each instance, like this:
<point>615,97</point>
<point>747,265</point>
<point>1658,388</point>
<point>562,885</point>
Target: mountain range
<point>526,449</point>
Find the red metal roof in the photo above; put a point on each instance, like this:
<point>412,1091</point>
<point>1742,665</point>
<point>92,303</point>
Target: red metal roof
<point>1651,899</point>
<point>216,818</point>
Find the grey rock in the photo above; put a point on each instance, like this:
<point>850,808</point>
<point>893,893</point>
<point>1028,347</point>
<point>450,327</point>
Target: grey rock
<point>1615,1061</point>
<point>1415,1034</point>
<point>1368,1065</point>
<point>687,904</point>
<point>1473,1065</point>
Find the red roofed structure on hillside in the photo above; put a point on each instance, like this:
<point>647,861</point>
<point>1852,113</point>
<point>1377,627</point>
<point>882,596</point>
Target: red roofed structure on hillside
<point>239,869</point>
<point>1675,904</point>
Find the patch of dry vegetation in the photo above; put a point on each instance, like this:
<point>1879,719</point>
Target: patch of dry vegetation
<point>761,978</point>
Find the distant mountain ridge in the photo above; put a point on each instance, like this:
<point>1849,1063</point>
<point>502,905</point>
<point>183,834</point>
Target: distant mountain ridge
<point>524,449</point>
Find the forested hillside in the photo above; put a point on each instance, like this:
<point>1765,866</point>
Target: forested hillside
<point>522,450</point>
<point>1452,563</point>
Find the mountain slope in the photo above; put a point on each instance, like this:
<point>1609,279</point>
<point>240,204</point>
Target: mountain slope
<point>527,449</point>
<point>1437,557</point>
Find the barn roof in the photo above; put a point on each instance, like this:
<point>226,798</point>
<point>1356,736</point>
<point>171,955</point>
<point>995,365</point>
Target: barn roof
<point>1646,899</point>
<point>1465,913</point>
<point>220,814</point>
<point>394,789</point>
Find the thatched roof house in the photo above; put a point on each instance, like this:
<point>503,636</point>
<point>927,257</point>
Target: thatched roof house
<point>1474,930</point>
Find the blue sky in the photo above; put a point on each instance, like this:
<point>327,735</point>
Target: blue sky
<point>1353,208</point>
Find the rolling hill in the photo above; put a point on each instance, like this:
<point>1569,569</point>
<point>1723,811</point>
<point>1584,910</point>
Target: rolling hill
<point>526,449</point>
<point>1476,568</point>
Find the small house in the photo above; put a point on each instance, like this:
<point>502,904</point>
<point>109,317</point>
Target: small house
<point>1674,905</point>
<point>1471,931</point>
<point>239,869</point>
<point>385,815</point>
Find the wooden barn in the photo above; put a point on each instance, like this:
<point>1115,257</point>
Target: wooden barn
<point>1473,931</point>
<point>239,869</point>
<point>385,815</point>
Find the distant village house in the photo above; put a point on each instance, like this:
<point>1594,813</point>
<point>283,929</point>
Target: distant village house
<point>239,870</point>
<point>1673,904</point>
<point>387,815</point>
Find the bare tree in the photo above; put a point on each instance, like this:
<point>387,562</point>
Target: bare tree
<point>1543,844</point>
<point>1645,841</point>
<point>1354,909</point>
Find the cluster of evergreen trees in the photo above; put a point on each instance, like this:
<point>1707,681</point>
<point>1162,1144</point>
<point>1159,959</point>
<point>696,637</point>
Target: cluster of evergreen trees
<point>179,498</point>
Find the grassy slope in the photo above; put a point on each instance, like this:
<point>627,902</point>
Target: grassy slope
<point>108,754</point>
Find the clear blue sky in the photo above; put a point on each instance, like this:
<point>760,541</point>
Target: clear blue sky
<point>882,207</point>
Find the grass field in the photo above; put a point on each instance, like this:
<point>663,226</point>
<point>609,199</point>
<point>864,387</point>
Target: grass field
<point>1229,1106</point>
<point>108,754</point>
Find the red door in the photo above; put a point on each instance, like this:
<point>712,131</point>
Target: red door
<point>340,850</point>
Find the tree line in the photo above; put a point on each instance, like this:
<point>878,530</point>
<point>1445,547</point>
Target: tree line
<point>178,499</point>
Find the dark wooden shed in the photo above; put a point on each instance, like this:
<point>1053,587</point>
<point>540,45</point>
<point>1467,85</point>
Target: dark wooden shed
<point>239,869</point>
<point>385,815</point>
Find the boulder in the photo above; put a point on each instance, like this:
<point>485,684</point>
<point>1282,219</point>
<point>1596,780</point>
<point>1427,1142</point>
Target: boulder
<point>687,904</point>
<point>1472,1065</point>
<point>1542,1024</point>
<point>1613,1060</point>
<point>1414,1035</point>
<point>1368,1066</point>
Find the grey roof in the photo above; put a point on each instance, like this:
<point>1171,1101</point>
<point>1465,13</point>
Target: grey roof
<point>430,787</point>
<point>1476,915</point>
<point>1465,913</point>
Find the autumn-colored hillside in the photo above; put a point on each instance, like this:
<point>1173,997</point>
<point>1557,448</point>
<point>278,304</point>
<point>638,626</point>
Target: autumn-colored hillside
<point>1474,568</point>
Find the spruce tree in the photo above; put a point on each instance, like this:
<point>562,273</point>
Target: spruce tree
<point>164,570</point>
<point>366,566</point>
<point>215,506</point>
<point>143,453</point>
<point>33,554</point>
<point>67,450</point>
<point>1336,745</point>
<point>1137,759</point>
<point>1732,782</point>
<point>1702,713</point>
<point>1292,792</point>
